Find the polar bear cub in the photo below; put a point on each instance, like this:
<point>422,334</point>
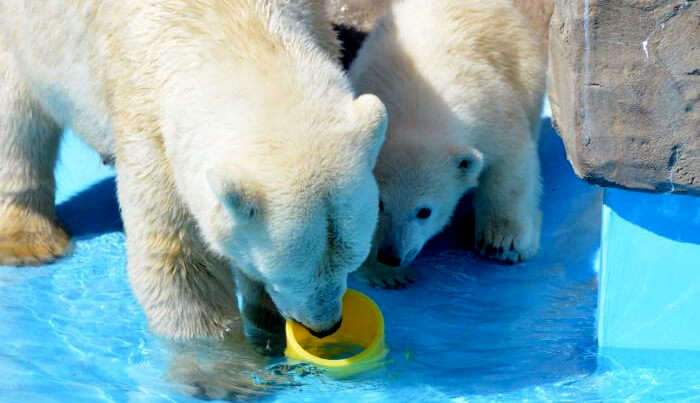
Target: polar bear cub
<point>240,149</point>
<point>463,82</point>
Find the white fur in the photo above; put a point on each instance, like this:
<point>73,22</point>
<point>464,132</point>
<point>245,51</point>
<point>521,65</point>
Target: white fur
<point>237,139</point>
<point>462,80</point>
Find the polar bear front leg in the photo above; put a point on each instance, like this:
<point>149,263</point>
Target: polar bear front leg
<point>506,204</point>
<point>263,324</point>
<point>29,230</point>
<point>185,291</point>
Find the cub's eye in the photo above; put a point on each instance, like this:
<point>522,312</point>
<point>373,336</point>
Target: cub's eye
<point>424,213</point>
<point>381,205</point>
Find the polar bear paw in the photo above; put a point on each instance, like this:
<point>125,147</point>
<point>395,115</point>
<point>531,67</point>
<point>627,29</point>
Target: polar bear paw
<point>223,370</point>
<point>28,238</point>
<point>382,276</point>
<point>507,239</point>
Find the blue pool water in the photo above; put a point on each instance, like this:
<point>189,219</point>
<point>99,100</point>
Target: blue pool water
<point>468,330</point>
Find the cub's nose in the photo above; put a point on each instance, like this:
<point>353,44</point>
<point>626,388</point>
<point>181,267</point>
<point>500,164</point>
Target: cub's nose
<point>388,256</point>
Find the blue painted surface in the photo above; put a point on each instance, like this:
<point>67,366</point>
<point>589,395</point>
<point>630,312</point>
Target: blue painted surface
<point>650,272</point>
<point>468,330</point>
<point>77,170</point>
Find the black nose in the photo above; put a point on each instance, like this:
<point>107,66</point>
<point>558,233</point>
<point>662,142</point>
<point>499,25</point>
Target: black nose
<point>388,257</point>
<point>327,332</point>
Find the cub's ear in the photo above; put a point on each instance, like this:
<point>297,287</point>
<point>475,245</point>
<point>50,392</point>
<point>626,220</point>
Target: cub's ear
<point>240,204</point>
<point>371,115</point>
<point>469,162</point>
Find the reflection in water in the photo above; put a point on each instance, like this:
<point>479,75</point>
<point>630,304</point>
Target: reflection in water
<point>333,351</point>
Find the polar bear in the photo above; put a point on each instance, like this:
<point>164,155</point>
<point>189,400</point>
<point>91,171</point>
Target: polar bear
<point>239,147</point>
<point>463,82</point>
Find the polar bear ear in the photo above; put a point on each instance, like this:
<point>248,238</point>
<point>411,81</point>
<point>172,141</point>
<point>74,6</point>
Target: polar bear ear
<point>372,115</point>
<point>469,162</point>
<point>232,196</point>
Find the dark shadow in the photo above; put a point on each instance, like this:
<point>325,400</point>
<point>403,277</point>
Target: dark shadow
<point>93,211</point>
<point>351,42</point>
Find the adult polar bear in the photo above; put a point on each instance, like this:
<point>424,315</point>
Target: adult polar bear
<point>237,141</point>
<point>463,81</point>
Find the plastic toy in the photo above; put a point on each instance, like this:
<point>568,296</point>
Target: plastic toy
<point>357,345</point>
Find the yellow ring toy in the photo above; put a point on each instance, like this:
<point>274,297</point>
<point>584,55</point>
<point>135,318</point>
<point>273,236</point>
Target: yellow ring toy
<point>357,345</point>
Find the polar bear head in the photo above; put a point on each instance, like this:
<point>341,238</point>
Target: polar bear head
<point>296,210</point>
<point>432,155</point>
<point>420,186</point>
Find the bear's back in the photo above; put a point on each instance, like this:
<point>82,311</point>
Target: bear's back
<point>463,50</point>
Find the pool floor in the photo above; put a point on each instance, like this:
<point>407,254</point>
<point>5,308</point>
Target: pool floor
<point>468,330</point>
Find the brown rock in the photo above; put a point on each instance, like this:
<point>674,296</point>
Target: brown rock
<point>358,14</point>
<point>625,89</point>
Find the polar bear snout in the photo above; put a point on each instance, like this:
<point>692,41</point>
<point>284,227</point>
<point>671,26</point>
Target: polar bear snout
<point>318,311</point>
<point>323,320</point>
<point>389,256</point>
<point>327,332</point>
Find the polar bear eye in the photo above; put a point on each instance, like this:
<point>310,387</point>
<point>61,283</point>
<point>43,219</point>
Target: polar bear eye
<point>464,164</point>
<point>424,213</point>
<point>381,205</point>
